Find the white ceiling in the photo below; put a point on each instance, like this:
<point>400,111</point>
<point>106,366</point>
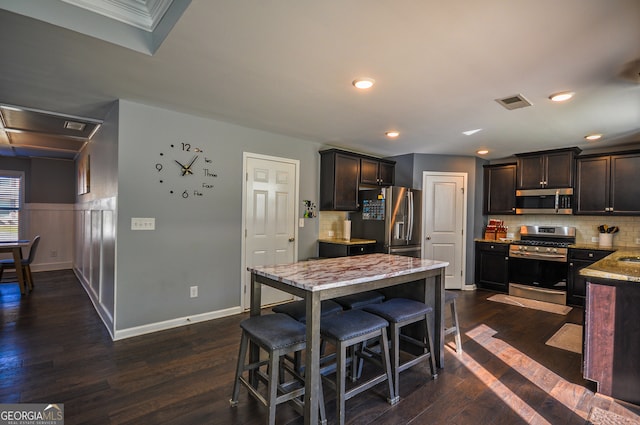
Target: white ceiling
<point>287,67</point>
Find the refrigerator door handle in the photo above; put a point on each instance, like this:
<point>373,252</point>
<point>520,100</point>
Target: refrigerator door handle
<point>410,227</point>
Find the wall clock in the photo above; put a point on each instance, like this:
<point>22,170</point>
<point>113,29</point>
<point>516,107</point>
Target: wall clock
<point>185,171</point>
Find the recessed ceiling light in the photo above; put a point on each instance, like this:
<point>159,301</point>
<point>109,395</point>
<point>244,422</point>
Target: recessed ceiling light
<point>562,96</point>
<point>593,137</point>
<point>392,134</point>
<point>363,83</point>
<point>482,152</point>
<point>470,132</point>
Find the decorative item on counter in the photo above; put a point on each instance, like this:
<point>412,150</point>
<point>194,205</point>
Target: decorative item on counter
<point>346,230</point>
<point>495,230</point>
<point>605,237</point>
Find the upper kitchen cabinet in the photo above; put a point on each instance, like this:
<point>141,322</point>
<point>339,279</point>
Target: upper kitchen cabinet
<point>499,189</point>
<point>339,181</point>
<point>342,174</point>
<point>608,184</point>
<point>376,172</point>
<point>546,170</point>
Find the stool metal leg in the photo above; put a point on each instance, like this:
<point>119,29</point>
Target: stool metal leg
<point>239,369</point>
<point>456,326</point>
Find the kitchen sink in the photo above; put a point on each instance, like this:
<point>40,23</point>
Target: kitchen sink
<point>632,259</point>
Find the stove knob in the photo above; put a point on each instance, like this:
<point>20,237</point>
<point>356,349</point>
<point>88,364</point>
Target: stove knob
<point>555,250</point>
<point>537,248</point>
<point>548,249</point>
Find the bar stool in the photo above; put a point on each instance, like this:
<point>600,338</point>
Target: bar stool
<point>298,309</point>
<point>450,299</point>
<point>361,300</point>
<point>277,334</point>
<point>345,330</point>
<point>401,312</point>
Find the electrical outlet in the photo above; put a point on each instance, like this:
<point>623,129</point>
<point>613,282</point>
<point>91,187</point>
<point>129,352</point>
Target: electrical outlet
<point>594,239</point>
<point>143,223</point>
<point>193,292</point>
<point>637,241</point>
<point>53,254</point>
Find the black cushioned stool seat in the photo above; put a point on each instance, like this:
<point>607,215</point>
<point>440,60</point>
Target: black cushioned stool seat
<point>277,334</point>
<point>298,309</point>
<point>357,301</point>
<point>450,299</point>
<point>400,312</point>
<point>345,330</point>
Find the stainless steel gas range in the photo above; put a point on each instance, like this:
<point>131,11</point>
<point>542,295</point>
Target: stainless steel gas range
<point>538,263</point>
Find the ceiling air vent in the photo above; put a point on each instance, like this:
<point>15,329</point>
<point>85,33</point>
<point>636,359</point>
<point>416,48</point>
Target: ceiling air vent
<point>514,102</point>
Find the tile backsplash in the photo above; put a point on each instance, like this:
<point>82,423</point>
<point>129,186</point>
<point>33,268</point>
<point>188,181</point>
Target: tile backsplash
<point>586,226</point>
<point>331,224</point>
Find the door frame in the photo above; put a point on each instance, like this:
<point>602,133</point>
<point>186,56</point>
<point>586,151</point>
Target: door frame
<point>244,285</point>
<point>465,183</point>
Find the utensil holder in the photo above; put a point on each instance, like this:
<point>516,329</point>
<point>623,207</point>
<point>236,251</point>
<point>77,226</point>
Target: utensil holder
<point>605,239</point>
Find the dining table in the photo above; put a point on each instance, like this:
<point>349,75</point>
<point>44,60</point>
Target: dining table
<point>15,248</point>
<point>322,279</point>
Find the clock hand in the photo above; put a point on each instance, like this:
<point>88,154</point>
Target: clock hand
<point>187,169</point>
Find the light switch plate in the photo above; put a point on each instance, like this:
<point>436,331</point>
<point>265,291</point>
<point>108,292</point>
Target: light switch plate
<point>301,222</point>
<point>143,223</point>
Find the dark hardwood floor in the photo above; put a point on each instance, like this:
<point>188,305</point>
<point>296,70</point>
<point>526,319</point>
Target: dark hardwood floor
<point>54,349</point>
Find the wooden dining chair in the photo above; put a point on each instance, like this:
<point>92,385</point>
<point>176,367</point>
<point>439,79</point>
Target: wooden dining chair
<point>26,264</point>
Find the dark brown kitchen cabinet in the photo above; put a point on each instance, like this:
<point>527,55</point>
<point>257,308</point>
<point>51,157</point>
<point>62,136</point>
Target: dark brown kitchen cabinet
<point>608,184</point>
<point>499,189</point>
<point>492,266</point>
<point>376,172</point>
<point>577,284</point>
<point>612,338</point>
<point>339,181</point>
<point>331,250</point>
<point>342,173</point>
<point>547,169</point>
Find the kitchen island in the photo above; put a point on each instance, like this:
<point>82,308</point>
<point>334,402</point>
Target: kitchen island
<point>320,280</point>
<point>612,325</point>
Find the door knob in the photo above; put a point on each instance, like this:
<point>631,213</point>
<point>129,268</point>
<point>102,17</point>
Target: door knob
<point>292,239</point>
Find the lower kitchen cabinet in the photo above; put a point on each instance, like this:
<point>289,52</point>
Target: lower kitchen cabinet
<point>492,266</point>
<point>576,284</point>
<point>331,250</point>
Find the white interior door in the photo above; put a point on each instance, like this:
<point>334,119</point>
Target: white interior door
<point>270,218</point>
<point>445,222</point>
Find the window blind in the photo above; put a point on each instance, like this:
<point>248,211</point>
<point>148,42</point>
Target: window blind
<point>10,202</point>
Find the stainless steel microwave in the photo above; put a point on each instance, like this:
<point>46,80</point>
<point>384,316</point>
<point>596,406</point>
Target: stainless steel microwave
<point>544,201</point>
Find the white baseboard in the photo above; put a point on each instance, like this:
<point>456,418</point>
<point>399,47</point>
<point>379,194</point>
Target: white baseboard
<point>47,267</point>
<point>174,323</point>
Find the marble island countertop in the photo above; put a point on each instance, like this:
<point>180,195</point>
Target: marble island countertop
<point>343,271</point>
<point>611,267</point>
<point>352,241</point>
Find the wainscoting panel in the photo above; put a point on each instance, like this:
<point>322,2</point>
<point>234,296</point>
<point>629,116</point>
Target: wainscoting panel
<point>95,255</point>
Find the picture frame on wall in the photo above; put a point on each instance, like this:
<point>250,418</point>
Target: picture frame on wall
<point>84,175</point>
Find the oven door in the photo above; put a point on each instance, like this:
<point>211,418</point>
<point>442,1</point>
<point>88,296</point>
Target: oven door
<point>539,273</point>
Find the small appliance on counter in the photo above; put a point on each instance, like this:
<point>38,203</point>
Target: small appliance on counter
<point>392,216</point>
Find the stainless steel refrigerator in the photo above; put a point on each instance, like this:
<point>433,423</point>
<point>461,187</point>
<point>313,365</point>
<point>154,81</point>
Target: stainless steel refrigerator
<point>393,217</point>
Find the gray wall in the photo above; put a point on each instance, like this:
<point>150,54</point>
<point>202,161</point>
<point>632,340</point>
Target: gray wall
<point>47,181</point>
<point>197,241</point>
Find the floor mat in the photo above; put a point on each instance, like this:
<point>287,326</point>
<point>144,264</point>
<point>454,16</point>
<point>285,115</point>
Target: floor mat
<point>528,303</point>
<point>568,337</point>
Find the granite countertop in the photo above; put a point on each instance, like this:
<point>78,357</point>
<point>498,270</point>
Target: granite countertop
<point>352,241</point>
<point>343,271</point>
<point>610,268</point>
